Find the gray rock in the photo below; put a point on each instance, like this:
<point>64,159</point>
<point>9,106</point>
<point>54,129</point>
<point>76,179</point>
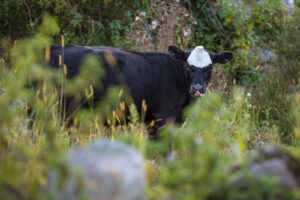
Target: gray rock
<point>290,5</point>
<point>289,2</point>
<point>276,168</point>
<point>271,161</point>
<point>108,170</point>
<point>263,54</point>
<point>268,153</point>
<point>241,5</point>
<point>238,2</point>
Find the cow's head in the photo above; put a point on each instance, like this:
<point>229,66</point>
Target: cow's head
<point>199,63</point>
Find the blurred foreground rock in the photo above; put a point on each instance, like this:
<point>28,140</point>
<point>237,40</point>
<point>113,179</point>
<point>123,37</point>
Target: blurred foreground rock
<point>268,161</point>
<point>108,171</point>
<point>277,162</point>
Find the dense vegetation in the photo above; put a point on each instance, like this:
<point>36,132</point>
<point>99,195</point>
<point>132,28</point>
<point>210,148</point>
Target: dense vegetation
<point>253,100</point>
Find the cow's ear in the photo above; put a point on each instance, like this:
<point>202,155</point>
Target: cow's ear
<point>177,53</point>
<point>221,58</point>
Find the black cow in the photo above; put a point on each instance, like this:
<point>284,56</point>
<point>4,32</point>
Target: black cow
<point>167,82</point>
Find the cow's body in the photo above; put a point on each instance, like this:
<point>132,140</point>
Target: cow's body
<point>161,79</point>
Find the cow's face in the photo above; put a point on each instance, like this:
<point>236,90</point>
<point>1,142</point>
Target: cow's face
<point>199,65</point>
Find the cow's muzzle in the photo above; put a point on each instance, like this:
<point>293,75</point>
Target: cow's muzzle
<point>197,90</point>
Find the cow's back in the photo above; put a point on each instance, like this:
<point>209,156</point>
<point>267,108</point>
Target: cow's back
<point>71,56</point>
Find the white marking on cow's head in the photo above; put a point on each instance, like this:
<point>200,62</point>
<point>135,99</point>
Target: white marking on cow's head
<point>199,57</point>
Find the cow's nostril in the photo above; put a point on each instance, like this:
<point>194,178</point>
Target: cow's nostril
<point>198,87</point>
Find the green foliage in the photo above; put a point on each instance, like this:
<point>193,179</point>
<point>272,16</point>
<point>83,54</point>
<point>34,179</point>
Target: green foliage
<point>247,27</point>
<point>274,91</point>
<point>215,135</point>
<point>26,155</point>
<point>205,32</point>
<point>238,26</point>
<point>88,22</point>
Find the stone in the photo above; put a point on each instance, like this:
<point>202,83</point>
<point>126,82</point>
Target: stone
<point>290,5</point>
<point>103,170</point>
<point>267,161</point>
<point>276,168</point>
